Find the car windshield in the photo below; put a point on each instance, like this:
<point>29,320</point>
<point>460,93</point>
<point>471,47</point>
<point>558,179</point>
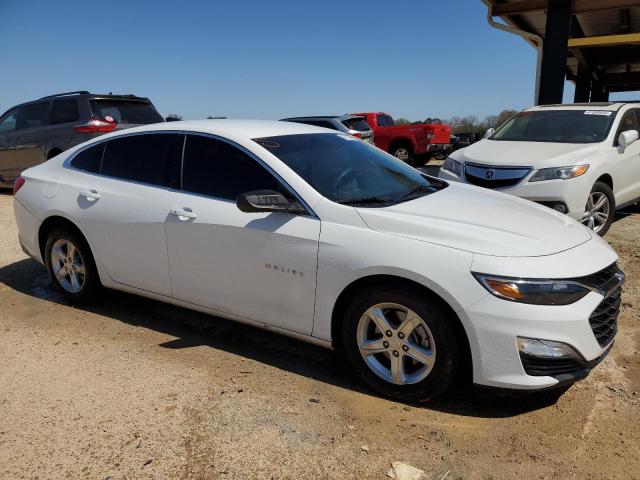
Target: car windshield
<point>349,171</point>
<point>558,126</point>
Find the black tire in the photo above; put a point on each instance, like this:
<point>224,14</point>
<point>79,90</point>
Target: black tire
<point>90,280</point>
<point>449,355</point>
<point>603,188</point>
<point>403,152</point>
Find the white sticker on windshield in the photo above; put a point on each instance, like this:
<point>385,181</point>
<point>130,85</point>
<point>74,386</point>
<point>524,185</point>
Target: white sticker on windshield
<point>605,113</point>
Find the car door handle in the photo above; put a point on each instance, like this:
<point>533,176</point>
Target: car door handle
<point>90,195</point>
<point>183,215</point>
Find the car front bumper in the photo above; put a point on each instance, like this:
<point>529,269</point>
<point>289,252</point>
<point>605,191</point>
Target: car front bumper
<point>497,325</point>
<point>438,147</point>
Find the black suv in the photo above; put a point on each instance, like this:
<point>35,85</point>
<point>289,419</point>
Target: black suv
<point>33,132</point>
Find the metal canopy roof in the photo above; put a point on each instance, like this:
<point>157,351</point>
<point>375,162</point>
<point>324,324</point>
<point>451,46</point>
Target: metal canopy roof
<point>604,35</point>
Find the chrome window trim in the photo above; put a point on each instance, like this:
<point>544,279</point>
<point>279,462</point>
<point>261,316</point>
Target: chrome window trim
<point>184,133</point>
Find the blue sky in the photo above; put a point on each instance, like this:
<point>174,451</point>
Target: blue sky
<point>268,59</point>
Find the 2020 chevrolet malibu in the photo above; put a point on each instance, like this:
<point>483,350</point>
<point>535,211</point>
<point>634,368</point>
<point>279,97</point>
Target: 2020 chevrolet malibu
<point>320,236</point>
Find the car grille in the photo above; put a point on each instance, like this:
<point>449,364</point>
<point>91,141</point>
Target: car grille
<point>604,318</point>
<point>494,177</point>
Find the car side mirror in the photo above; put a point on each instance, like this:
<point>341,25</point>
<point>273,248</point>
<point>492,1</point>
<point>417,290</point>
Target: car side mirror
<point>260,201</point>
<point>627,137</point>
<point>489,132</point>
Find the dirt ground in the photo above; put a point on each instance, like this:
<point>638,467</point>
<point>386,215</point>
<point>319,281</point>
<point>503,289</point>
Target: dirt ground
<point>132,388</point>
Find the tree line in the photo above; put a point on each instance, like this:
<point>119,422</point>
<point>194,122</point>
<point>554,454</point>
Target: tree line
<point>467,124</point>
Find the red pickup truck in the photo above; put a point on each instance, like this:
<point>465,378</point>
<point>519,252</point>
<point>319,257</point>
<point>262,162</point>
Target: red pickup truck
<point>414,143</point>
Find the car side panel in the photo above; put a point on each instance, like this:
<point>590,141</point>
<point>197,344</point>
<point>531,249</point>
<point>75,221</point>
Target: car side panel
<point>349,252</point>
<point>125,226</point>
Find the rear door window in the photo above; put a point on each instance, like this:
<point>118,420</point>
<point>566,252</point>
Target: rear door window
<point>125,111</point>
<point>149,158</point>
<point>64,111</point>
<point>385,121</point>
<point>8,121</point>
<point>89,159</point>
<point>217,169</point>
<point>33,115</point>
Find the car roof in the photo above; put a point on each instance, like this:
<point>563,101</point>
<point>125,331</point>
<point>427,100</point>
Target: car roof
<point>84,94</point>
<point>248,129</point>
<point>607,106</point>
<point>346,116</point>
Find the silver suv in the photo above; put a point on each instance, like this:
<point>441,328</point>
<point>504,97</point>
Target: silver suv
<point>354,125</point>
<point>33,132</point>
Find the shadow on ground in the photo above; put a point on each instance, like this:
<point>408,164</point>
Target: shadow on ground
<point>627,211</point>
<point>195,329</point>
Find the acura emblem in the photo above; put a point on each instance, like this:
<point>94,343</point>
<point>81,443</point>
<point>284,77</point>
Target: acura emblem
<point>489,174</point>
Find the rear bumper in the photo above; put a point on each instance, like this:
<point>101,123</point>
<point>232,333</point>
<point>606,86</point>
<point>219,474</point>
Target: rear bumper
<point>27,231</point>
<point>438,147</point>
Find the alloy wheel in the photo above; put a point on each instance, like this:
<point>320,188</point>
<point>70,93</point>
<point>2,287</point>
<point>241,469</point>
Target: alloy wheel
<point>597,212</point>
<point>396,343</point>
<point>68,265</point>
<point>402,154</point>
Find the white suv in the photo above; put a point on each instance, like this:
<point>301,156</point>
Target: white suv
<point>321,236</point>
<point>579,159</point>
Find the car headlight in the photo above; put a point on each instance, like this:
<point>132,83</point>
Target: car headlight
<point>534,292</point>
<point>452,166</point>
<point>559,173</point>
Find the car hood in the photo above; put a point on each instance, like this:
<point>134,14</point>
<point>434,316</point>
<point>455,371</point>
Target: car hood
<point>526,154</point>
<point>480,221</point>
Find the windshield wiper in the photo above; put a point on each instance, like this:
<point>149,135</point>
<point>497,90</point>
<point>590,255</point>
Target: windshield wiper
<point>417,189</point>
<point>365,200</point>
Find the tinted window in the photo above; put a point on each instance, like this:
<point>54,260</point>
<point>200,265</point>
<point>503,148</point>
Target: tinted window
<point>217,169</point>
<point>64,111</point>
<point>89,159</point>
<point>358,124</point>
<point>628,122</point>
<point>8,121</point>
<point>34,115</point>
<point>123,111</point>
<point>385,121</point>
<point>317,123</point>
<point>145,158</point>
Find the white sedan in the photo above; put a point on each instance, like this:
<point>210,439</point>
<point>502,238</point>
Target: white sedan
<point>318,235</point>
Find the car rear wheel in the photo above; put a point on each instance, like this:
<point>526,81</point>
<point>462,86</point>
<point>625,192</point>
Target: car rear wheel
<point>404,153</point>
<point>71,267</point>
<point>400,343</point>
<point>600,209</point>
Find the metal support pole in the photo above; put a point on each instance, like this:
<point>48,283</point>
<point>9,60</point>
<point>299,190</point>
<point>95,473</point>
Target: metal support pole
<point>583,84</point>
<point>554,52</point>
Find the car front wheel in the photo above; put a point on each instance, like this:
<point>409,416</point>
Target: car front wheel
<point>600,209</point>
<point>401,343</point>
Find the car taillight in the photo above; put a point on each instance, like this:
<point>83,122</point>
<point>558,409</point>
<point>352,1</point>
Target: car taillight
<point>17,185</point>
<point>357,135</point>
<point>94,126</point>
